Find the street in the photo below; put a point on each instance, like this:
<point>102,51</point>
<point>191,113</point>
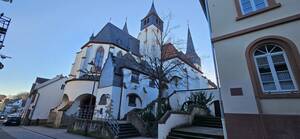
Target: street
<point>35,132</point>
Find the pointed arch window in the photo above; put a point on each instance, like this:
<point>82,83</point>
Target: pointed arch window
<point>103,99</point>
<point>273,68</point>
<point>99,58</point>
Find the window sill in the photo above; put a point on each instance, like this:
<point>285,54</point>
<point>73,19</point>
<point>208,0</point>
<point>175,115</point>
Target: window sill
<point>286,95</point>
<point>240,17</point>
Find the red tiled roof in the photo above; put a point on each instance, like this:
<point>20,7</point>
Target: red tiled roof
<point>169,52</point>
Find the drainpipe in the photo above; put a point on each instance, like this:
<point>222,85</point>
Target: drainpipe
<point>120,102</point>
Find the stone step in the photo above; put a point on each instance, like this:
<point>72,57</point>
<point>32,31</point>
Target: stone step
<point>217,125</point>
<point>193,135</point>
<point>128,135</point>
<point>206,118</point>
<point>125,125</point>
<point>196,132</point>
<point>187,136</point>
<point>207,121</point>
<point>173,137</point>
<point>127,130</point>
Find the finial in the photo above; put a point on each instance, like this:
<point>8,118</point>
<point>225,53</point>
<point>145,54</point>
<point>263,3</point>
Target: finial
<point>110,19</point>
<point>92,36</point>
<point>125,29</point>
<point>188,24</point>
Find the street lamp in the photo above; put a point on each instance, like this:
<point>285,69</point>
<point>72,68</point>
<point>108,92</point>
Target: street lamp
<point>94,78</point>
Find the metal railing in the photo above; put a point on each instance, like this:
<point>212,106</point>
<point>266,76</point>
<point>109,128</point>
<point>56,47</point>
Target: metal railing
<point>113,124</point>
<point>84,117</point>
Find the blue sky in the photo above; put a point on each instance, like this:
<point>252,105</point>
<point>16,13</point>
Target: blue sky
<point>45,35</point>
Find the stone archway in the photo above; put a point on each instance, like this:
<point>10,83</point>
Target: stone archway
<point>86,106</point>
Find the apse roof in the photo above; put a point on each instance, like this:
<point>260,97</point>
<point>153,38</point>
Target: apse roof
<point>112,34</point>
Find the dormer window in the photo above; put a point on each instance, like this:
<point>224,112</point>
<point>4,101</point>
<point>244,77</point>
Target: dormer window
<point>248,6</point>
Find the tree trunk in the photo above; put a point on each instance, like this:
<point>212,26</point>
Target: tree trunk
<point>159,103</point>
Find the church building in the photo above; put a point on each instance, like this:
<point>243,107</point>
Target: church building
<point>109,75</point>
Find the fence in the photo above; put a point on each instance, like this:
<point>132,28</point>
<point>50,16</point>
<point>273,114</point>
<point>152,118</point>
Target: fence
<point>83,123</point>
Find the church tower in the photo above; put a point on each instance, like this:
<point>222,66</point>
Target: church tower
<point>190,51</point>
<point>151,32</point>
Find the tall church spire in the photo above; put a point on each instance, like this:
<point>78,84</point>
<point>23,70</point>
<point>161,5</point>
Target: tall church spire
<point>152,10</point>
<point>125,29</point>
<point>190,45</point>
<point>190,50</point>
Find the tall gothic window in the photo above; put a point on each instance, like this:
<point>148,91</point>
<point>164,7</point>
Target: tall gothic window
<point>99,58</point>
<point>273,68</point>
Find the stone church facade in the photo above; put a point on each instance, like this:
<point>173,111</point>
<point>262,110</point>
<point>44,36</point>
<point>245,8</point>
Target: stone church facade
<point>117,79</point>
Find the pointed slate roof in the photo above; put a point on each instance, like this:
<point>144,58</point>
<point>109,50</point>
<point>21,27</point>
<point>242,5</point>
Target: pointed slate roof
<point>190,50</point>
<point>114,35</point>
<point>190,45</point>
<point>152,18</point>
<point>41,80</point>
<point>125,29</point>
<point>152,10</point>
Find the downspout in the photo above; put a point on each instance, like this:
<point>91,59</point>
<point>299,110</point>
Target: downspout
<point>120,102</point>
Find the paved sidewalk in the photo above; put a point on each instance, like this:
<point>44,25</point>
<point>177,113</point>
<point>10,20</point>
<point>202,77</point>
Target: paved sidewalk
<point>37,132</point>
<point>4,135</point>
<point>40,132</point>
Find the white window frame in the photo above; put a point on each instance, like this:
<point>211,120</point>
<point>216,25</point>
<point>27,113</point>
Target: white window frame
<point>252,5</point>
<point>278,90</point>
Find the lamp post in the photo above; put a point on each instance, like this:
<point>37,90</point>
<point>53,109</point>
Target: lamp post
<point>90,109</point>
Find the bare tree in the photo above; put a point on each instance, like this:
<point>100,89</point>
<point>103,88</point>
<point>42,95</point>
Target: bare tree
<point>161,69</point>
<point>22,95</point>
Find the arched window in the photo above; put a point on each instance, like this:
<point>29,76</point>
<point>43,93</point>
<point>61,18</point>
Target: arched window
<point>273,68</point>
<point>103,99</point>
<point>99,58</point>
<point>175,80</point>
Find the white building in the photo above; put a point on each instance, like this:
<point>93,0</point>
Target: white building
<point>45,94</point>
<point>257,51</point>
